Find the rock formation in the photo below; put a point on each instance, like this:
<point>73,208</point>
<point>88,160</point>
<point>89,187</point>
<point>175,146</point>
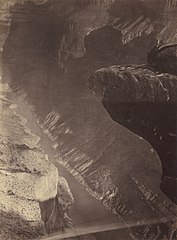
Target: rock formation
<point>144,102</point>
<point>45,57</point>
<point>27,179</point>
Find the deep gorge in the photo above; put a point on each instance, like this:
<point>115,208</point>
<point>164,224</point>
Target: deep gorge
<point>49,54</point>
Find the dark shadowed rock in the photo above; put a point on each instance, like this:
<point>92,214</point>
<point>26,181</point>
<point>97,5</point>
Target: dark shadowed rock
<point>137,49</point>
<point>163,58</point>
<point>144,102</point>
<point>54,210</point>
<point>103,42</point>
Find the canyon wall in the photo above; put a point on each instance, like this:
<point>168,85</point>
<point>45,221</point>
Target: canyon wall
<point>50,56</point>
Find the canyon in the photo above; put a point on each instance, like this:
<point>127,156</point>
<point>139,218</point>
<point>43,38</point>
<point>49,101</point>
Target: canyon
<point>51,55</point>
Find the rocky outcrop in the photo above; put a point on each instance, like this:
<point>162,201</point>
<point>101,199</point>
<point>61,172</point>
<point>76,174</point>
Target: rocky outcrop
<point>27,179</point>
<point>144,102</point>
<point>45,57</point>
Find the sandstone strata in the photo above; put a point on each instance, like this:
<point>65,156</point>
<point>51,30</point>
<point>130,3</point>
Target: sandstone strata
<point>27,178</point>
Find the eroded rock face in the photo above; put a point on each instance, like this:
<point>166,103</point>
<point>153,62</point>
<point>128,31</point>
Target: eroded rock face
<point>144,102</point>
<point>54,212</point>
<point>27,178</point>
<point>89,144</point>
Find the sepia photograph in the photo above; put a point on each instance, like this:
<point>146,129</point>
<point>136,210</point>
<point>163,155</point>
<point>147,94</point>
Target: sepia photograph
<point>88,119</point>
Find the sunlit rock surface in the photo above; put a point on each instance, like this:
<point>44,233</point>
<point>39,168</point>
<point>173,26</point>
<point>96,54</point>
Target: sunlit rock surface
<point>26,176</point>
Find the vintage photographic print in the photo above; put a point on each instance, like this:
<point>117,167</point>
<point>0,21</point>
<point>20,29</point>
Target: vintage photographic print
<point>88,119</point>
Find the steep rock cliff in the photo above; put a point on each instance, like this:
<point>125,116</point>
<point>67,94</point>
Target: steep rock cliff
<point>144,102</point>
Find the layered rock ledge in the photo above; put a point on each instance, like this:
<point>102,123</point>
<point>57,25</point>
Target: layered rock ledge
<point>27,180</point>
